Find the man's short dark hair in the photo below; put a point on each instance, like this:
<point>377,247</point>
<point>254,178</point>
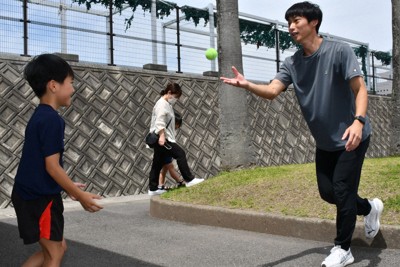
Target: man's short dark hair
<point>44,68</point>
<point>305,9</point>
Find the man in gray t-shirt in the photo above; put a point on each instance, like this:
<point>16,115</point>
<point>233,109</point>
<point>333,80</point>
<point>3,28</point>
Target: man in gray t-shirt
<point>322,86</point>
<point>333,98</point>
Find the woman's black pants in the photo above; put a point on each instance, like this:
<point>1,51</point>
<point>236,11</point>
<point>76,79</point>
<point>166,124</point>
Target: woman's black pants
<point>160,153</point>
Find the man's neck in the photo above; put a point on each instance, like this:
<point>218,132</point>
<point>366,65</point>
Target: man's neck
<point>311,45</point>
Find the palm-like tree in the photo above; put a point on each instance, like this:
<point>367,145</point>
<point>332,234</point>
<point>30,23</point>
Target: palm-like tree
<point>235,140</point>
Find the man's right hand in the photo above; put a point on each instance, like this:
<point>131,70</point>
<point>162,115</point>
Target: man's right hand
<point>238,81</point>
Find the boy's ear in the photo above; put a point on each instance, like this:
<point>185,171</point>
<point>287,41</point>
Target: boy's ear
<point>51,86</point>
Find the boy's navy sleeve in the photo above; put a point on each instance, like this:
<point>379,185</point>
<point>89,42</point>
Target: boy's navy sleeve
<point>52,136</point>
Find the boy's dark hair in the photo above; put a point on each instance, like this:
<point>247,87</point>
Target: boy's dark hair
<point>307,10</point>
<point>178,119</point>
<point>174,88</point>
<point>44,68</point>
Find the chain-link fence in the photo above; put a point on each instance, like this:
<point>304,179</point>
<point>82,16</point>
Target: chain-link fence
<point>102,35</point>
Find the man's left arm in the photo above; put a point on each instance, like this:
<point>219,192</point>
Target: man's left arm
<point>353,133</point>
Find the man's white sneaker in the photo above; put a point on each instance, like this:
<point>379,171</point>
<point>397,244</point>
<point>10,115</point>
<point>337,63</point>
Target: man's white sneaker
<point>194,182</point>
<point>371,221</point>
<point>338,258</point>
<point>157,192</point>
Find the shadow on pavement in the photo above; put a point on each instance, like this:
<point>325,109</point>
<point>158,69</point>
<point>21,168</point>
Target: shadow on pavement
<point>359,253</point>
<point>292,258</point>
<point>13,252</point>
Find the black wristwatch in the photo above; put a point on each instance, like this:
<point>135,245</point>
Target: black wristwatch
<point>360,119</point>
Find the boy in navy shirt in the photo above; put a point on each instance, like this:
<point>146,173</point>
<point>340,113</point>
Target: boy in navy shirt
<point>40,177</point>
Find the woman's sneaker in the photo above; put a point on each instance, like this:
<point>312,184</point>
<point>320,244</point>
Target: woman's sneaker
<point>338,258</point>
<point>371,221</point>
<point>194,182</point>
<point>156,192</point>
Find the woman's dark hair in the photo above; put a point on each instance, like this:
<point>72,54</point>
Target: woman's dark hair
<point>44,68</point>
<point>307,10</point>
<point>174,88</point>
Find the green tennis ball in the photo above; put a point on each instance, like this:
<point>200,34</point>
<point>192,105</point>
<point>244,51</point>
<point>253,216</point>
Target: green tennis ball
<point>211,54</point>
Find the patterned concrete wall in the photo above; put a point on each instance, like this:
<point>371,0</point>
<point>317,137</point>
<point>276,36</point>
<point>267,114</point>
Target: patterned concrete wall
<point>106,125</point>
<point>281,136</point>
<point>110,115</point>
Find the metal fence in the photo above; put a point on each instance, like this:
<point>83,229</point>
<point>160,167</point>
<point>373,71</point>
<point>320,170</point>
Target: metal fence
<point>100,35</point>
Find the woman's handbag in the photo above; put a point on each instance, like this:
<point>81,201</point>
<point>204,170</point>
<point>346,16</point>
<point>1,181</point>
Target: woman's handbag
<point>152,138</point>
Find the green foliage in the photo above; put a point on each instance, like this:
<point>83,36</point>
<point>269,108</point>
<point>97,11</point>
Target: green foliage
<point>256,33</point>
<point>362,52</point>
<point>264,35</point>
<point>251,32</point>
<point>195,14</point>
<point>383,57</point>
<point>163,9</point>
<point>286,41</point>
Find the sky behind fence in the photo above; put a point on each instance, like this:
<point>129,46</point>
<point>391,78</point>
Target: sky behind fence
<point>63,26</point>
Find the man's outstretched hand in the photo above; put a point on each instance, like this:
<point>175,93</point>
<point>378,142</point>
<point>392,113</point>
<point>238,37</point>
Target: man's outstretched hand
<point>238,81</point>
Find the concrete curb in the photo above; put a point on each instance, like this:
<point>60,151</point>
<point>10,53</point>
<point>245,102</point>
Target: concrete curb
<point>304,228</point>
<point>70,205</point>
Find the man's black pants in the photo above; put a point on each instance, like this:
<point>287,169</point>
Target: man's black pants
<point>338,177</point>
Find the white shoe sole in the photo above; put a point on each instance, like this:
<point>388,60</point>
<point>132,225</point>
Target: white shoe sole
<point>348,262</point>
<point>379,207</point>
<point>192,183</point>
<point>155,193</point>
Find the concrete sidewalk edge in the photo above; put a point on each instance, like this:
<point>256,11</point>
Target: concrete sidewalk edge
<point>304,228</point>
<point>70,205</point>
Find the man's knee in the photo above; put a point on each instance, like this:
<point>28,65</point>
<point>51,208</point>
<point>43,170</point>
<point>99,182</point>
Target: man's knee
<point>327,195</point>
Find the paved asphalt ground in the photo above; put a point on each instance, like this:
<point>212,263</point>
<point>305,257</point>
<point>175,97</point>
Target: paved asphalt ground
<point>124,234</point>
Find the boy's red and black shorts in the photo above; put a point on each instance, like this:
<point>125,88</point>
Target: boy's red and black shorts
<point>39,218</point>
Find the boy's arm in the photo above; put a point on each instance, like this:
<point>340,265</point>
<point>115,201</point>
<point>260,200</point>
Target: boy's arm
<point>60,176</point>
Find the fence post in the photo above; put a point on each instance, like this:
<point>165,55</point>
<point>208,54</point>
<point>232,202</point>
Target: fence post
<point>154,30</point>
<point>178,40</point>
<point>63,18</point>
<point>25,21</point>
<point>164,44</point>
<point>373,73</point>
<point>368,66</point>
<point>212,33</point>
<point>278,61</point>
<point>111,34</point>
